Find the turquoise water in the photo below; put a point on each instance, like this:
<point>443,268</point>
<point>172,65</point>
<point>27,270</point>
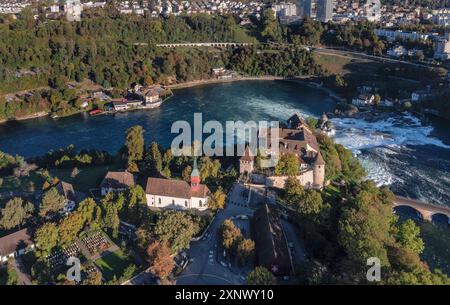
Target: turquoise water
<point>411,156</point>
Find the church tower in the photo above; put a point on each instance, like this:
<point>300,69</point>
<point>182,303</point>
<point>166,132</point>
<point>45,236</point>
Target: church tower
<point>246,163</point>
<point>195,176</point>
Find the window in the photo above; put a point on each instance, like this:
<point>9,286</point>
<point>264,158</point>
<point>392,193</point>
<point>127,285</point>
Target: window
<point>200,203</point>
<point>185,203</point>
<point>159,200</point>
<point>173,201</point>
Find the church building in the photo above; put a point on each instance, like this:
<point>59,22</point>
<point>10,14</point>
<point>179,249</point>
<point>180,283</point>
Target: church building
<point>178,194</point>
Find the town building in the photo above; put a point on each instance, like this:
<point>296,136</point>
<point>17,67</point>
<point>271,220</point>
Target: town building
<point>372,10</point>
<point>73,9</point>
<point>271,247</point>
<point>285,9</point>
<point>124,104</point>
<point>15,244</point>
<point>297,139</point>
<point>391,35</point>
<point>442,49</point>
<point>397,51</point>
<point>117,182</point>
<point>324,10</point>
<point>178,194</point>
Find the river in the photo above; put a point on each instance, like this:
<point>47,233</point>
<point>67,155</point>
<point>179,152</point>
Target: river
<point>411,156</point>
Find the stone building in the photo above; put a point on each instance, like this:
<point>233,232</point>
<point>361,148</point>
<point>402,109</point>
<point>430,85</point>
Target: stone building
<point>297,139</point>
<point>246,163</point>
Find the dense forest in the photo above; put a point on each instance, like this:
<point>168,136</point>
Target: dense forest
<point>116,51</point>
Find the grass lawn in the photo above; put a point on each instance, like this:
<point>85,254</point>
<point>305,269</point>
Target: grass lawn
<point>88,177</point>
<point>113,264</point>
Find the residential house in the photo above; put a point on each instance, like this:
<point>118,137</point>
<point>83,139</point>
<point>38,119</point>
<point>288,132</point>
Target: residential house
<point>117,182</point>
<point>66,190</point>
<point>15,244</point>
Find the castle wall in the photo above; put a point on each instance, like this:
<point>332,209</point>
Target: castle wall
<point>306,179</point>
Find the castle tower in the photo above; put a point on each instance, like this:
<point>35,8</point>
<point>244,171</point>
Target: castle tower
<point>319,171</point>
<point>195,176</point>
<point>246,163</point>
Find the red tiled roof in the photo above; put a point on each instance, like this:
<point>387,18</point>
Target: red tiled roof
<point>118,180</point>
<point>15,241</point>
<point>248,155</point>
<point>175,188</point>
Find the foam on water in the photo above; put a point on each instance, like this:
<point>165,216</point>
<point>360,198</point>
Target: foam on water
<point>388,150</point>
<point>359,134</point>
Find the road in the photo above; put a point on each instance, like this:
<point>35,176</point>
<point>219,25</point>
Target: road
<point>206,268</point>
<point>345,53</point>
<point>296,247</point>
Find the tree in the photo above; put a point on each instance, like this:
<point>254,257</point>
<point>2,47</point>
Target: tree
<point>134,143</point>
<point>186,174</point>
<point>51,203</point>
<point>408,236</point>
<point>261,276</point>
<point>294,191</point>
<point>245,250</point>
<point>311,203</point>
<point>15,213</point>
<point>136,205</point>
<point>230,234</point>
<point>69,228</point>
<point>112,220</point>
<point>153,158</point>
<point>271,29</point>
<point>161,262</point>
<point>90,213</point>
<point>209,168</point>
<point>366,224</point>
<point>176,228</point>
<point>46,238</point>
<point>287,165</point>
<point>217,199</point>
<point>93,278</point>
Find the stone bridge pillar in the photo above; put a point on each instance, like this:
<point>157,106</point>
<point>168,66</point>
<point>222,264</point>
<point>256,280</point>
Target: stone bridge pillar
<point>426,215</point>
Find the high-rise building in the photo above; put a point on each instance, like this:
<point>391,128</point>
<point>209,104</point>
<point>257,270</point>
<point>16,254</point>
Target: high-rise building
<point>307,8</point>
<point>324,10</point>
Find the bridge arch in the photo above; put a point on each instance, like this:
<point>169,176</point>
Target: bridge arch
<point>440,218</point>
<point>408,211</point>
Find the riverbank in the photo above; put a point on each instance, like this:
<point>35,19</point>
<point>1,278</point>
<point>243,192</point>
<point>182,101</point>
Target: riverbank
<point>196,83</point>
<point>303,80</point>
<point>26,117</point>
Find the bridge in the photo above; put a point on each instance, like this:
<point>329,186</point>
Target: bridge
<point>204,44</point>
<point>425,210</point>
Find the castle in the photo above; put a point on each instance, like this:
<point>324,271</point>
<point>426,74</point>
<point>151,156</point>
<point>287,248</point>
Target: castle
<point>297,139</point>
